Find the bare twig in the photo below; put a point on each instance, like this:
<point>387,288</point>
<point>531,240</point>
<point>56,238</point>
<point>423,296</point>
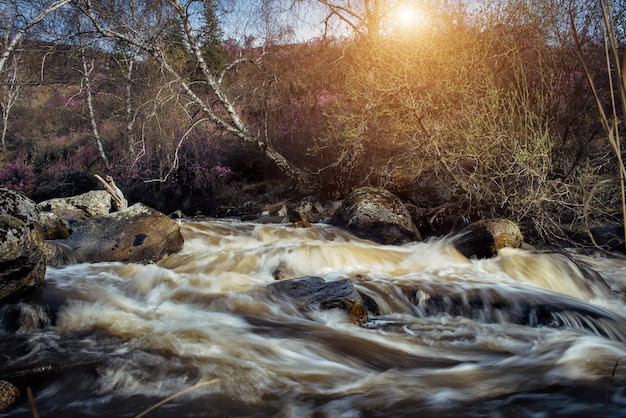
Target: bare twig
<point>610,125</point>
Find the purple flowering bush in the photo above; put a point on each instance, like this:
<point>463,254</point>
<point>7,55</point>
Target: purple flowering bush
<point>201,159</point>
<point>18,177</point>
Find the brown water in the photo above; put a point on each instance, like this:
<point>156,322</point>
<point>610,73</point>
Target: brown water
<point>521,334</point>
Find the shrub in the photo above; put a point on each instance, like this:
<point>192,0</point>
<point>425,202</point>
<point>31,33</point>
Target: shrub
<point>18,177</point>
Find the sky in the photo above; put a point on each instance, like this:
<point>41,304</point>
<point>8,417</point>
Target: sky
<point>242,18</point>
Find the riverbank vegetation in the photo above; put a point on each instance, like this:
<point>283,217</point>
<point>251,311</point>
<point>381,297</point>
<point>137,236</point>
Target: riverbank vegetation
<point>186,108</point>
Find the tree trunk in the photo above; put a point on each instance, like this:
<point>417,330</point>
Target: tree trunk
<point>92,114</point>
<point>8,50</point>
<point>305,182</point>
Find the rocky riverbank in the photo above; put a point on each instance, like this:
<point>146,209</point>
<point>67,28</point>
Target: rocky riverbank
<point>88,229</point>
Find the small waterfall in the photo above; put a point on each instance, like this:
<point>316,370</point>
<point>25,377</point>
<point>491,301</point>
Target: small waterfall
<point>498,304</point>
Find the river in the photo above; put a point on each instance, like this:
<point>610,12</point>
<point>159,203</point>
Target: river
<point>524,334</point>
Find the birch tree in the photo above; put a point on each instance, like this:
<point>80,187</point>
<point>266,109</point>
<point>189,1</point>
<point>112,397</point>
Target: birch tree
<point>10,93</point>
<point>361,16</point>
<point>14,39</point>
<point>15,28</point>
<point>86,71</point>
<point>206,95</point>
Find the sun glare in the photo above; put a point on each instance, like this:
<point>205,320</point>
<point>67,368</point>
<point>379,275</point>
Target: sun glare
<point>408,17</point>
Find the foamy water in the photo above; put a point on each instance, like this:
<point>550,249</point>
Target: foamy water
<point>522,334</point>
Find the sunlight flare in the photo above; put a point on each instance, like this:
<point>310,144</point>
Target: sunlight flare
<point>408,18</point>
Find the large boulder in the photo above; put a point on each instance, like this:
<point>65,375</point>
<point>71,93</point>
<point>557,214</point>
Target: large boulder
<point>136,234</point>
<point>483,239</point>
<point>22,257</point>
<point>377,215</point>
<point>56,215</point>
<point>314,293</point>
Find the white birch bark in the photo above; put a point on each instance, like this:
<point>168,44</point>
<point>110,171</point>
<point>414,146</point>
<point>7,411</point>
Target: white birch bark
<point>233,123</point>
<point>92,115</point>
<point>13,42</point>
<point>10,93</point>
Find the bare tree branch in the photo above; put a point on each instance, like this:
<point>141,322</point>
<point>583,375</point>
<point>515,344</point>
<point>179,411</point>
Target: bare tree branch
<point>8,50</point>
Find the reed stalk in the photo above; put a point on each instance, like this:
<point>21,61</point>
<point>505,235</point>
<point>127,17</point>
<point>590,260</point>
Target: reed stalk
<point>31,401</point>
<point>176,395</point>
<point>610,122</point>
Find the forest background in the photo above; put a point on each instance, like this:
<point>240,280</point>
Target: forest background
<point>484,108</point>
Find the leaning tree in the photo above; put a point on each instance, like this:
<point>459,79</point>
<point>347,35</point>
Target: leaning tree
<point>206,96</point>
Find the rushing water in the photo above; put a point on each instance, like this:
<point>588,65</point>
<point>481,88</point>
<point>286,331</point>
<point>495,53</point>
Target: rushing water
<point>522,334</point>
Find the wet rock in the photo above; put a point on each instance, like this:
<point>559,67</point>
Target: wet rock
<point>59,254</point>
<point>377,215</point>
<point>436,221</point>
<point>25,317</point>
<point>483,239</point>
<point>53,226</point>
<point>8,394</point>
<point>69,356</point>
<point>265,219</point>
<point>282,272</point>
<point>178,214</point>
<point>314,293</point>
<point>57,215</point>
<point>22,257</point>
<point>608,235</point>
<point>310,210</point>
<point>246,208</point>
<point>137,234</point>
<point>80,207</point>
<point>300,213</point>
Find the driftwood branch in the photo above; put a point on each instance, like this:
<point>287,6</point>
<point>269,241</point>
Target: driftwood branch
<point>119,201</point>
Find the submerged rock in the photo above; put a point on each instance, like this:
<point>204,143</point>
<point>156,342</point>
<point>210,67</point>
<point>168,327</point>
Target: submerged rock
<point>483,239</point>
<point>314,293</point>
<point>377,215</point>
<point>8,394</point>
<point>137,234</point>
<point>22,257</point>
<point>528,307</point>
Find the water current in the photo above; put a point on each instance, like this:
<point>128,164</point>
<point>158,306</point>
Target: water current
<point>524,334</point>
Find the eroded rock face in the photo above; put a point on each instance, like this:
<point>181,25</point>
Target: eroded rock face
<point>377,215</point>
<point>22,257</point>
<point>314,293</point>
<point>137,234</point>
<point>483,239</point>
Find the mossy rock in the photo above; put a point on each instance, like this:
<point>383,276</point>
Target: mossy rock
<point>22,259</point>
<point>377,215</point>
<point>8,394</point>
<point>483,239</point>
